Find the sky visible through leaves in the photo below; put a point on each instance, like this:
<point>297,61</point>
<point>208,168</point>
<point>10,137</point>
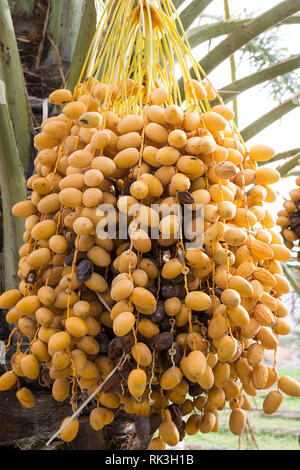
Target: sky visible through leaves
<point>281,42</point>
<point>284,134</point>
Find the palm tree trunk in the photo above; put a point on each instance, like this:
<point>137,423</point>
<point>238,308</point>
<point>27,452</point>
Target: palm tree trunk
<point>270,117</point>
<point>24,7</point>
<point>191,12</point>
<point>15,91</point>
<point>31,428</point>
<point>62,31</point>
<point>85,36</point>
<point>12,185</point>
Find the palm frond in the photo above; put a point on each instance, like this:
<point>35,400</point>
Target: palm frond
<point>246,33</point>
<point>85,35</point>
<point>270,117</point>
<point>207,32</point>
<point>15,92</point>
<point>288,166</point>
<point>191,12</point>
<point>265,75</point>
<point>13,190</point>
<point>294,173</point>
<point>292,275</point>
<point>266,50</point>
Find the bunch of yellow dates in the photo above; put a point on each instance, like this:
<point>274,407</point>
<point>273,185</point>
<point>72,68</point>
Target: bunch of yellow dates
<point>288,218</point>
<point>190,325</point>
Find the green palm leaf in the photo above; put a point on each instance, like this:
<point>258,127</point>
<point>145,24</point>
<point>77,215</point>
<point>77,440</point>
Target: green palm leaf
<point>292,275</point>
<point>85,35</point>
<point>13,190</point>
<point>270,117</point>
<point>244,84</point>
<point>281,156</point>
<point>203,33</point>
<point>244,34</point>
<point>288,166</point>
<point>190,14</point>
<point>12,75</point>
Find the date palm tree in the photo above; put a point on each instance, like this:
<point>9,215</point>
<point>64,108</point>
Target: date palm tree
<point>69,28</point>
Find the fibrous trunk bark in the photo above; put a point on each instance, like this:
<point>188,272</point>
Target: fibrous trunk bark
<point>270,117</point>
<point>245,33</point>
<point>62,31</point>
<point>12,185</point>
<point>11,74</point>
<point>30,429</point>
